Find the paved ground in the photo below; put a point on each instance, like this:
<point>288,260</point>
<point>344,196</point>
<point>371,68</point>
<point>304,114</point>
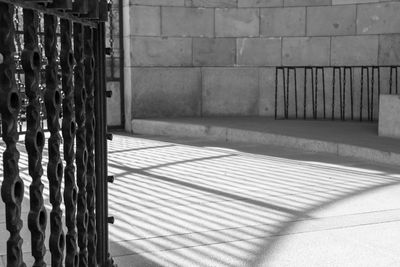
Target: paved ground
<point>194,203</point>
<point>188,202</point>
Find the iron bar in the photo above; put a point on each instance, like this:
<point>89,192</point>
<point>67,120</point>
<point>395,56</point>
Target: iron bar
<point>285,89</point>
<point>34,138</point>
<point>90,128</point>
<point>103,257</point>
<point>81,151</point>
<point>55,165</point>
<point>12,189</point>
<point>69,130</point>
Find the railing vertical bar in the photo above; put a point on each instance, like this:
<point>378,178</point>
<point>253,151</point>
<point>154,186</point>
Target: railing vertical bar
<point>34,138</point>
<point>276,93</point>
<point>316,94</point>
<point>372,92</point>
<point>81,152</point>
<point>284,93</point>
<point>333,92</point>
<point>351,93</point>
<point>305,94</point>
<point>390,79</point>
<point>295,89</point>
<point>12,189</point>
<point>90,128</point>
<point>323,90</point>
<point>362,93</point>
<point>368,95</point>
<point>287,92</point>
<point>55,165</point>
<point>343,93</point>
<point>397,80</point>
<point>313,94</point>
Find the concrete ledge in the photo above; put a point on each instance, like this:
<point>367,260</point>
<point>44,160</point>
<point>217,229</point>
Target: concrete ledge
<point>230,134</point>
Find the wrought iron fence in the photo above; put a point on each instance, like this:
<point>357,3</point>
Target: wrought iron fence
<point>52,76</point>
<point>335,92</point>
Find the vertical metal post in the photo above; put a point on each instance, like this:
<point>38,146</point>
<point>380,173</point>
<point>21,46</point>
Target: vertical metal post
<point>81,151</point>
<point>34,138</point>
<point>90,130</point>
<point>12,189</point>
<point>103,257</point>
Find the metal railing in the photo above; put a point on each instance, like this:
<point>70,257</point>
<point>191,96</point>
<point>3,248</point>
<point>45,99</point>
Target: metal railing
<point>51,71</point>
<point>334,92</point>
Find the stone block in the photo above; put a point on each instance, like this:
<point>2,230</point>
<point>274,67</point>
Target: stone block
<point>233,22</point>
<point>158,2</point>
<point>183,21</point>
<point>145,20</point>
<point>114,104</point>
<point>213,3</point>
<point>260,3</point>
<point>307,2</point>
<point>283,21</point>
<point>347,2</point>
<point>166,92</point>
<point>156,51</point>
<point>267,92</point>
<point>331,20</point>
<point>214,51</point>
<point>259,51</point>
<point>355,50</point>
<point>389,120</point>
<point>389,49</point>
<point>306,51</point>
<point>230,91</point>
<point>378,18</point>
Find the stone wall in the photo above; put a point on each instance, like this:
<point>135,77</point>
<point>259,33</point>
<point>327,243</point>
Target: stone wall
<point>113,73</point>
<point>217,57</point>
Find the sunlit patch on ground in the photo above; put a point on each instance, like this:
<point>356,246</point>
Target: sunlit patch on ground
<point>193,203</point>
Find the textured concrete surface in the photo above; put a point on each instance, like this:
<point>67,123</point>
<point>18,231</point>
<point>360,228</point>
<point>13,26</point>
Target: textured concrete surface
<point>259,51</point>
<point>195,202</point>
<point>161,92</point>
<point>230,91</point>
<point>214,51</point>
<point>306,51</point>
<point>180,21</point>
<point>190,202</point>
<point>354,139</point>
<point>389,122</point>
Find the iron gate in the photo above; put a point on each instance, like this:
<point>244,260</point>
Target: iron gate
<point>61,69</point>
